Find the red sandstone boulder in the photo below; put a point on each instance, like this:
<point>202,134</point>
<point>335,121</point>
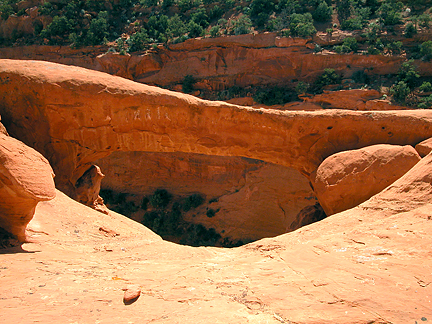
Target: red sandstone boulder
<point>424,148</point>
<point>346,179</point>
<point>26,178</point>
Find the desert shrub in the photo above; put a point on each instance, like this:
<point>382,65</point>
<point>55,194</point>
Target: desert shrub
<point>360,77</point>
<point>328,77</point>
<point>176,26</point>
<point>260,11</point>
<point>302,25</point>
<point>394,48</point>
<point>390,12</point>
<point>302,87</point>
<point>193,201</point>
<point>210,212</point>
<point>344,8</point>
<point>167,3</point>
<point>242,25</point>
<point>349,44</point>
<point>97,32</point>
<point>215,31</point>
<point>426,50</point>
<point>274,96</point>
<point>425,103</point>
<point>216,12</point>
<point>200,17</point>
<point>424,20</point>
<point>160,198</point>
<point>60,26</point>
<point>410,30</point>
<point>400,91</point>
<point>138,41</point>
<point>354,23</point>
<point>144,203</point>
<point>425,87</point>
<point>323,12</point>
<point>6,9</point>
<point>408,74</point>
<point>194,30</point>
<point>188,84</point>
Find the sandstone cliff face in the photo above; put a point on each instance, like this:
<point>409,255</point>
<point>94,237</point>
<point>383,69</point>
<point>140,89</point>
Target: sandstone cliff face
<point>76,116</point>
<point>218,63</point>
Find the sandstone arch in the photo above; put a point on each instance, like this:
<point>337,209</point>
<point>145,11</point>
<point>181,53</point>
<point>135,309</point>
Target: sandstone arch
<point>75,116</point>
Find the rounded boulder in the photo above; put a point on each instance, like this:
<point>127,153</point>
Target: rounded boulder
<point>346,179</point>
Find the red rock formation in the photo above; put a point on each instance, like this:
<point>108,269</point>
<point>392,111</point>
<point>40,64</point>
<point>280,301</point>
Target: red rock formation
<point>76,116</point>
<point>356,99</point>
<point>424,148</point>
<point>219,63</point>
<point>369,264</point>
<point>26,178</point>
<point>87,189</point>
<point>346,179</point>
<point>240,188</point>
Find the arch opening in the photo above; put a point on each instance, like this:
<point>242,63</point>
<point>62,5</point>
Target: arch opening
<point>203,200</point>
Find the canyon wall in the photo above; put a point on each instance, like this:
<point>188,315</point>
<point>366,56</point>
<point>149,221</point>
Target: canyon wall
<point>218,63</point>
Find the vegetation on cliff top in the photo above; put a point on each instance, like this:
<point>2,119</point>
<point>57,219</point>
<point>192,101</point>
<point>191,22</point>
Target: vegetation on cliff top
<point>134,25</point>
<point>368,27</point>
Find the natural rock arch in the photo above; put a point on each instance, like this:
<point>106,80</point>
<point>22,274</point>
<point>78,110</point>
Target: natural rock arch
<point>75,116</point>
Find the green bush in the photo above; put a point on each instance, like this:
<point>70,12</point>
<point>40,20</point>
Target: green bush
<point>390,12</point>
<point>160,198</point>
<point>138,41</point>
<point>193,201</point>
<point>426,103</point>
<point>215,31</point>
<point>354,23</point>
<point>210,213</point>
<point>60,26</point>
<point>200,17</point>
<point>194,30</point>
<point>327,78</point>
<point>188,84</point>
<point>242,25</point>
<point>349,45</point>
<point>408,74</point>
<point>400,91</point>
<point>425,87</point>
<point>302,25</point>
<point>426,50</point>
<point>323,12</point>
<point>302,87</point>
<point>274,96</point>
<point>360,77</point>
<point>410,30</point>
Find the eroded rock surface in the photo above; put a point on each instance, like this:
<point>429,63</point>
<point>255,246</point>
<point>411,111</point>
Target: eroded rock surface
<point>346,179</point>
<point>424,148</point>
<point>87,189</point>
<point>369,264</point>
<point>26,178</point>
<point>267,198</point>
<point>76,116</point>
